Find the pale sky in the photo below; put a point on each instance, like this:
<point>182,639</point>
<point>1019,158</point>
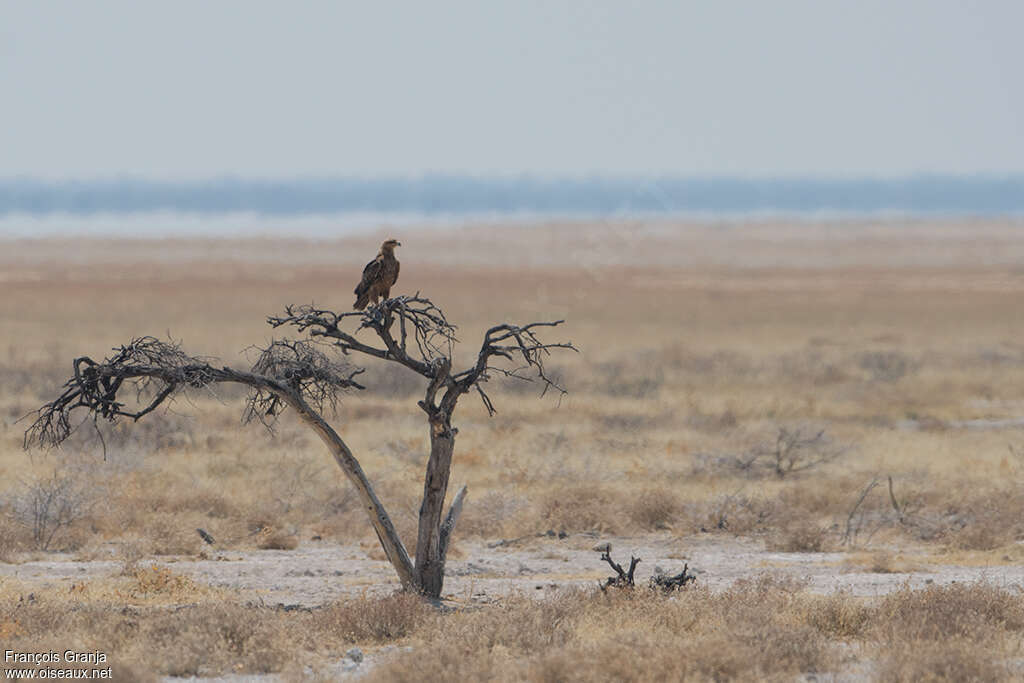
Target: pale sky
<point>189,89</point>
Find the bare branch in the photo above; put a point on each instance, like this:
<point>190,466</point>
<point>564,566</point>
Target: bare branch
<point>852,529</point>
<point>451,518</point>
<point>433,335</point>
<point>149,366</point>
<point>525,344</point>
<point>423,327</point>
<point>324,323</point>
<point>895,504</point>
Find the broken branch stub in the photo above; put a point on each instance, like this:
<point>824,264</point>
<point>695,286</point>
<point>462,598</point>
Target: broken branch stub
<point>623,578</point>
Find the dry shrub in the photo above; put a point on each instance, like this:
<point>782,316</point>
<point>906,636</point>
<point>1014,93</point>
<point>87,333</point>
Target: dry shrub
<point>990,520</point>
<point>191,640</point>
<point>14,537</point>
<point>170,535</point>
<point>36,379</point>
<point>373,619</point>
<point>121,670</point>
<point>446,663</point>
<point>488,515</point>
<point>132,441</point>
<point>51,505</point>
<point>802,537</point>
<point>130,551</point>
<point>582,507</point>
<point>951,660</point>
<point>839,615</point>
<point>391,381</point>
<point>215,638</point>
<point>344,527</point>
<point>762,619</point>
<point>629,379</point>
<point>766,585</point>
<point>635,658</point>
<point>487,644</point>
<point>167,492</point>
<point>717,363</point>
<point>713,423</point>
<point>653,508</point>
<point>883,562</point>
<point>976,612</point>
<point>754,630</point>
<point>885,366</point>
<point>633,422</point>
<point>520,625</point>
<point>735,512</point>
<point>810,367</point>
<point>131,672</point>
<point>823,499</point>
<point>161,580</point>
<point>979,536</point>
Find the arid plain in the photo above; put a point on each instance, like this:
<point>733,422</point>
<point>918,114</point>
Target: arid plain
<point>824,419</point>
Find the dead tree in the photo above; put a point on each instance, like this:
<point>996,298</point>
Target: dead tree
<point>795,450</point>
<point>671,582</point>
<point>623,578</point>
<point>301,375</point>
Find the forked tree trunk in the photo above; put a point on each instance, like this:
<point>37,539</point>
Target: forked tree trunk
<point>430,550</point>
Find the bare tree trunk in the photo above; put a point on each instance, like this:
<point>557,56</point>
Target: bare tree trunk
<point>429,551</point>
<point>392,544</point>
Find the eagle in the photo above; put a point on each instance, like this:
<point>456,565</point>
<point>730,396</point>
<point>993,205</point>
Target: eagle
<point>379,276</point>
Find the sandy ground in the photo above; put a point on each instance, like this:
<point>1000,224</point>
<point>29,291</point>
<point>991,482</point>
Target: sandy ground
<point>317,573</point>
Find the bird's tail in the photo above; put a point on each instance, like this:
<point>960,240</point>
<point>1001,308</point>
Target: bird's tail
<point>362,296</point>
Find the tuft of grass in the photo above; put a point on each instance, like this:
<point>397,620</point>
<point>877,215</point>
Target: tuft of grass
<point>950,660</point>
<point>654,508</point>
<point>375,620</point>
<point>161,580</point>
<point>975,611</point>
<point>839,615</point>
<point>804,537</point>
<point>14,538</point>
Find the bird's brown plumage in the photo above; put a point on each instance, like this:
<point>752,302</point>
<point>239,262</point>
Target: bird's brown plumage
<point>379,276</point>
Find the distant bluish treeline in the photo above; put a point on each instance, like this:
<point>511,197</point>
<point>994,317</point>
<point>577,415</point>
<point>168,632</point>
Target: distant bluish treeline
<point>454,195</point>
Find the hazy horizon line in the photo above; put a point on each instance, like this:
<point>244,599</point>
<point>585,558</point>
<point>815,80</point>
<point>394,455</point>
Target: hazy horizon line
<point>441,194</point>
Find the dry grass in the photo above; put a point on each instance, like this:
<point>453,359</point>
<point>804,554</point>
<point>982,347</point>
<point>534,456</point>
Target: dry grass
<point>159,622</point>
<point>698,346</point>
<point>757,630</point>
<point>950,633</point>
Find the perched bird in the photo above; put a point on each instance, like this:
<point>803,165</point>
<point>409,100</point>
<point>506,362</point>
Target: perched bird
<point>379,276</point>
